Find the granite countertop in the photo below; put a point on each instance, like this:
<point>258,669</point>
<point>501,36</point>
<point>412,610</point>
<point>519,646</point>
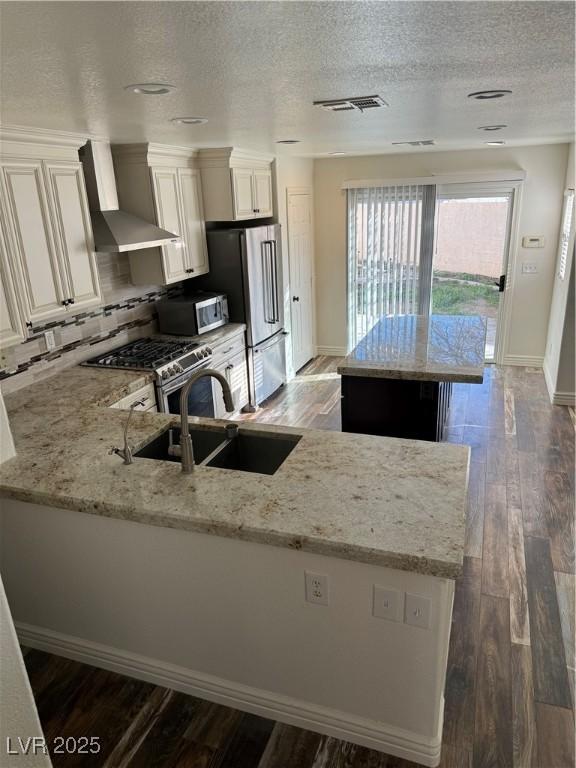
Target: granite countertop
<point>389,502</point>
<point>427,348</point>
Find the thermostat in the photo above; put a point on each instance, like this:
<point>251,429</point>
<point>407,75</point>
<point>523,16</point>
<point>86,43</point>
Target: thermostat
<point>533,241</point>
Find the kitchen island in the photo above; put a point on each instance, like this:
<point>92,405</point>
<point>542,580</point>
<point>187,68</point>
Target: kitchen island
<point>398,380</point>
<point>197,582</point>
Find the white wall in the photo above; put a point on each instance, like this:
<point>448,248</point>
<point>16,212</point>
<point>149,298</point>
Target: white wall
<point>290,173</point>
<point>545,168</point>
<point>227,620</point>
<point>18,715</point>
<point>559,359</point>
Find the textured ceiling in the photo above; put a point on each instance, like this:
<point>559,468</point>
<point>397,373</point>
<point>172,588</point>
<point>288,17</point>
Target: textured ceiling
<point>254,68</point>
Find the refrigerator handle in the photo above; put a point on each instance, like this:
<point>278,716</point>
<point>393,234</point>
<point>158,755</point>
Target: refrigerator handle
<point>266,271</point>
<point>274,262</point>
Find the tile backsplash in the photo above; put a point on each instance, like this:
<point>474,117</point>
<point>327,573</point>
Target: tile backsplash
<point>127,312</point>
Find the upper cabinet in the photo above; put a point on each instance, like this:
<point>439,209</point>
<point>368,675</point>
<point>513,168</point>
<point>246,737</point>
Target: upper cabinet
<point>236,185</point>
<point>12,328</point>
<point>160,184</point>
<point>49,264</point>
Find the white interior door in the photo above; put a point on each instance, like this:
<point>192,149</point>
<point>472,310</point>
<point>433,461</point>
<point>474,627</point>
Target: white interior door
<point>301,276</point>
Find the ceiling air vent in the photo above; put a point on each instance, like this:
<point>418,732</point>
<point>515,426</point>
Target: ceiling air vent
<point>360,103</point>
<point>420,143</point>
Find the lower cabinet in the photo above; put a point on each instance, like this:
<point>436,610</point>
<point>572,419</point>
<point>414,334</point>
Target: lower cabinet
<point>233,366</point>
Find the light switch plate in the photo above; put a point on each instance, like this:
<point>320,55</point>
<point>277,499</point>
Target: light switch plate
<point>387,603</point>
<point>50,340</point>
<point>529,268</point>
<point>533,241</point>
<point>417,611</point>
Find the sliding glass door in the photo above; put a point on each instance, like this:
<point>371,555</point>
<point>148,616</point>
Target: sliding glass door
<point>471,252</point>
<point>417,249</point>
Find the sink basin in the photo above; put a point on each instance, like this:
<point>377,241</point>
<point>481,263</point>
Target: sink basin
<point>254,453</point>
<point>204,441</point>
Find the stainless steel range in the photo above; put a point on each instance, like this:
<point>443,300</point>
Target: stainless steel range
<point>172,363</point>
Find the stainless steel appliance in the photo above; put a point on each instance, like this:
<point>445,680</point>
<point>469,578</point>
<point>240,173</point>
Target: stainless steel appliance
<point>246,264</point>
<point>192,314</point>
<point>172,363</point>
<point>114,231</point>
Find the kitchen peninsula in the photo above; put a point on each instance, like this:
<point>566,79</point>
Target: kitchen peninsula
<point>197,582</point>
<point>398,380</point>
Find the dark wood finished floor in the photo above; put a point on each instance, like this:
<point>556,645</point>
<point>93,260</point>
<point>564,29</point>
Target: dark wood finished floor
<point>510,686</point>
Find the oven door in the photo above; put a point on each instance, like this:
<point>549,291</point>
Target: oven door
<point>200,399</point>
<point>211,313</point>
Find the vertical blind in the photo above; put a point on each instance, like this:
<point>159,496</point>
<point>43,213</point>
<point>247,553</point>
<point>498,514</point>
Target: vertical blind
<point>390,248</point>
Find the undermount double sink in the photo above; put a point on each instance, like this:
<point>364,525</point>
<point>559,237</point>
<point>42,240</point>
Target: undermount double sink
<point>244,451</point>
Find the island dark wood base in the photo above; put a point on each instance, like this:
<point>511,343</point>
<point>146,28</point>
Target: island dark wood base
<point>395,407</point>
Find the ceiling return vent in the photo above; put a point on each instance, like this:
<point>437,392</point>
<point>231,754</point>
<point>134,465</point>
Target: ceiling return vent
<point>419,143</point>
<point>359,103</point>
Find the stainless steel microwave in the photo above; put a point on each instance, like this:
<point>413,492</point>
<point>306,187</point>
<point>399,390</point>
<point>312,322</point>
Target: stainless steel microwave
<point>192,314</point>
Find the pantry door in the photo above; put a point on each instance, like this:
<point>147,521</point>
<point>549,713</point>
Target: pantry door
<point>299,203</point>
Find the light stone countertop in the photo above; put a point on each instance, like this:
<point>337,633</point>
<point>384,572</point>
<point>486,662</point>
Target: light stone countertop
<point>389,502</point>
<point>418,347</point>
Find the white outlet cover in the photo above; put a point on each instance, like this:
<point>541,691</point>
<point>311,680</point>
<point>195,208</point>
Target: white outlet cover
<point>50,340</point>
<point>529,268</point>
<point>387,603</point>
<point>417,611</point>
<point>316,587</point>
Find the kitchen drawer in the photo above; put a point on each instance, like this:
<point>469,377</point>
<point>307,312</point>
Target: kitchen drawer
<point>228,349</point>
<point>146,394</point>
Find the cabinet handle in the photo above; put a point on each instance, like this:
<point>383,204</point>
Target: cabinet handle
<point>28,324</point>
<point>65,303</point>
<point>71,301</point>
<point>295,298</point>
<point>189,270</point>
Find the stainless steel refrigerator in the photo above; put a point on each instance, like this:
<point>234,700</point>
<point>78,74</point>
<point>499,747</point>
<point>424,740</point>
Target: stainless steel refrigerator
<point>246,264</point>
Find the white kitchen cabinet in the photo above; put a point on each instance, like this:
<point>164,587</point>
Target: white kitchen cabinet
<point>12,327</point>
<point>230,360</point>
<point>73,232</point>
<point>34,255</point>
<point>49,236</point>
<point>236,185</point>
<point>160,184</point>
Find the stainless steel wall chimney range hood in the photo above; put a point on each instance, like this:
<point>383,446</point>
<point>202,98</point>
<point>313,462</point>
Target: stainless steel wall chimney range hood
<point>114,231</point>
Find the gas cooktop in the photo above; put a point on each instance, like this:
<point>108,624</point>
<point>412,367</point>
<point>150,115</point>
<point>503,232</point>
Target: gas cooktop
<point>165,358</point>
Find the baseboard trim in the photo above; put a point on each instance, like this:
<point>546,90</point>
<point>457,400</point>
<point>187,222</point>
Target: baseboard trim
<point>557,397</point>
<point>530,361</point>
<point>368,733</point>
<point>332,351</point>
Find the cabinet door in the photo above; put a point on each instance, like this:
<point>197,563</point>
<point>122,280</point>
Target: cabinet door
<point>237,375</point>
<point>167,199</point>
<point>73,232</point>
<point>27,213</point>
<point>12,329</point>
<point>262,185</point>
<point>193,219</point>
<point>242,189</point>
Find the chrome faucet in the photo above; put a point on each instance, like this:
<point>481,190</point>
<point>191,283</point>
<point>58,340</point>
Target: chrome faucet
<point>126,452</point>
<point>185,449</point>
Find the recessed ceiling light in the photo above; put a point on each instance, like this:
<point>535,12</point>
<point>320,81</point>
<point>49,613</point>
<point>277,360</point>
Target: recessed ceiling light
<point>495,143</point>
<point>482,95</point>
<point>189,120</point>
<point>288,141</point>
<point>491,127</point>
<point>334,154</point>
<point>150,89</point>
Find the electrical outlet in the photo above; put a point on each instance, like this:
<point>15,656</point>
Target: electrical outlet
<point>316,587</point>
<point>529,268</point>
<point>387,603</point>
<point>417,611</point>
<point>50,340</point>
